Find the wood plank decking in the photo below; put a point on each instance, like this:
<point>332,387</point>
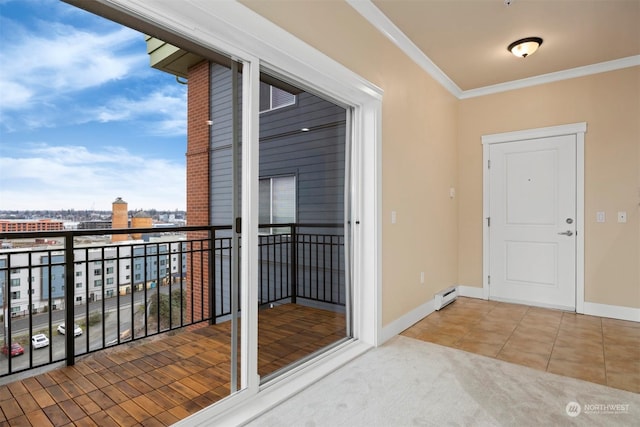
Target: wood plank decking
<point>165,379</point>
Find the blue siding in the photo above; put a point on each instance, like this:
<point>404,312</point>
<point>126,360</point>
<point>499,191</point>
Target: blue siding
<point>316,158</point>
<point>56,286</point>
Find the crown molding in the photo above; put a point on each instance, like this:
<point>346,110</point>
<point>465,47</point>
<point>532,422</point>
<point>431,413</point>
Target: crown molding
<point>572,73</point>
<point>382,23</point>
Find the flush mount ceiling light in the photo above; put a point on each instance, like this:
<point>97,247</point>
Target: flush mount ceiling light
<point>525,47</point>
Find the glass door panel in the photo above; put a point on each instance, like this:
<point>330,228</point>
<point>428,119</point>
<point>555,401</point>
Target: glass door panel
<point>303,175</point>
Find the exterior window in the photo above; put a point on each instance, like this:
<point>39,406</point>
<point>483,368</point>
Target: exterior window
<point>137,267</point>
<point>163,261</point>
<point>97,272</point>
<point>97,263</point>
<point>110,293</point>
<point>138,277</point>
<point>78,273</point>
<point>15,309</point>
<point>127,277</point>
<point>277,200</point>
<point>15,283</point>
<point>97,283</point>
<point>128,267</point>
<point>110,281</point>
<point>109,270</point>
<point>15,295</point>
<point>78,285</point>
<point>15,271</point>
<point>79,299</point>
<point>272,98</point>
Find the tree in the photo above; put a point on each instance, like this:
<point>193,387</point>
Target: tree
<point>171,307</point>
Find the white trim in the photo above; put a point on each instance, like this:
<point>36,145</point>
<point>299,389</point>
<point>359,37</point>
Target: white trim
<point>422,311</point>
<point>577,129</point>
<point>472,292</point>
<point>545,132</point>
<point>249,248</point>
<point>382,23</point>
<point>407,320</point>
<point>612,311</point>
<point>572,73</point>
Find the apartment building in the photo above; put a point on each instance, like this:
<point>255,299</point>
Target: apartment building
<point>34,281</point>
<point>17,225</point>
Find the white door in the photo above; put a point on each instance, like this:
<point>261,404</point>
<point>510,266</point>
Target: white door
<point>532,225</point>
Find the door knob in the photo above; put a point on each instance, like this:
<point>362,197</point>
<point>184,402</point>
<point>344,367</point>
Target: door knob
<point>567,233</point>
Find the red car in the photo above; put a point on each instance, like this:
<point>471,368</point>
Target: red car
<point>16,349</point>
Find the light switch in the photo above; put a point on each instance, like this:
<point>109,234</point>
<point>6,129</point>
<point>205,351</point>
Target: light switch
<point>393,217</point>
<point>452,192</point>
<point>600,217</point>
<point>622,216</point>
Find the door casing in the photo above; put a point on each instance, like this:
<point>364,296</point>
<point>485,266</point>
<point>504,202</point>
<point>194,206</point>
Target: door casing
<point>577,129</point>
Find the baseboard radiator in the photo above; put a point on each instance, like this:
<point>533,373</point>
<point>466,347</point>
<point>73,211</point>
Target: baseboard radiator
<point>445,297</point>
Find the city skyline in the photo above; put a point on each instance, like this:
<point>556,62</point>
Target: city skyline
<point>83,116</point>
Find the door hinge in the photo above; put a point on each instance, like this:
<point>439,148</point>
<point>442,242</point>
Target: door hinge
<point>488,164</point>
<point>488,221</point>
<point>488,280</point>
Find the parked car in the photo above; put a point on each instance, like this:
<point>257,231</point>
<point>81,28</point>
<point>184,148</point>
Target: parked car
<point>39,341</point>
<point>16,350</point>
<point>77,330</point>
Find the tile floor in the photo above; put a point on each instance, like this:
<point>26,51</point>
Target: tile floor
<point>600,350</point>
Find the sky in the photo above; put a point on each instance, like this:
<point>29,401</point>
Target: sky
<point>84,119</point>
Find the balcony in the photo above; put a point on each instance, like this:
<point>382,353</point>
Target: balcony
<point>135,291</point>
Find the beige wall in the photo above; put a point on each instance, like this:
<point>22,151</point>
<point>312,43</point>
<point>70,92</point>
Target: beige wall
<point>431,142</point>
<point>418,144</point>
<point>610,104</point>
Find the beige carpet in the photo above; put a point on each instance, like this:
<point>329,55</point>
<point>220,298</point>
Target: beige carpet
<point>407,382</point>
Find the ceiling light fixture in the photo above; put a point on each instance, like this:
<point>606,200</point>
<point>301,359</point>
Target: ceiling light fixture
<point>525,47</point>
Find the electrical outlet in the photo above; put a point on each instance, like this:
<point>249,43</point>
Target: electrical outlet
<point>622,216</point>
<point>600,217</point>
<point>394,217</point>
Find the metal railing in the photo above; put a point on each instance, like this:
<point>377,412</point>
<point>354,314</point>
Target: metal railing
<point>117,292</point>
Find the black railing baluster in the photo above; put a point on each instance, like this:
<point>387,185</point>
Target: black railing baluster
<point>211,277</point>
<point>69,292</point>
<point>294,266</point>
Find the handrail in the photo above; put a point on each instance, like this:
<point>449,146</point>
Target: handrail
<point>296,266</point>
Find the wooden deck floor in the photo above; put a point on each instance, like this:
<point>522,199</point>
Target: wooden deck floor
<point>164,380</point>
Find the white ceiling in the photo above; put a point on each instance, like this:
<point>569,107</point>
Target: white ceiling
<point>467,39</point>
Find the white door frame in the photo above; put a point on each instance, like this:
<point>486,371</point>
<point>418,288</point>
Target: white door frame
<point>577,129</point>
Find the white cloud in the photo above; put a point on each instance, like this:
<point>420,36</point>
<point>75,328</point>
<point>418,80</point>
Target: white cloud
<point>166,108</point>
<point>74,177</point>
<point>62,58</point>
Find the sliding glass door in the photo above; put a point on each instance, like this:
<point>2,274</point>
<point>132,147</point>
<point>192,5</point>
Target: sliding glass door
<point>303,280</point>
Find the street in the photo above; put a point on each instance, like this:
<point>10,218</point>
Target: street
<point>93,337</point>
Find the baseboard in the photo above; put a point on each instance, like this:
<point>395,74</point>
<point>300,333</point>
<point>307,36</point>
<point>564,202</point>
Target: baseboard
<point>402,323</point>
<point>471,292</point>
<point>612,311</point>
<point>419,313</point>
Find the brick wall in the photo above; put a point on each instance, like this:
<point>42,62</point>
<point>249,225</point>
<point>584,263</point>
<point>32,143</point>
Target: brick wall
<point>198,110</point>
